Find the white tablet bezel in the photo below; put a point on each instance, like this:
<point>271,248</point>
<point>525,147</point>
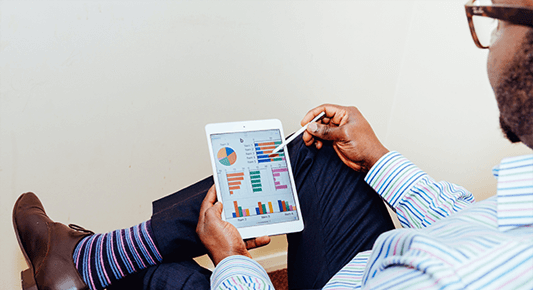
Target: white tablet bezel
<point>247,126</point>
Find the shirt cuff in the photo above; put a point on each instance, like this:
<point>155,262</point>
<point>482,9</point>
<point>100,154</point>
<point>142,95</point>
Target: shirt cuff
<point>236,271</point>
<point>392,176</point>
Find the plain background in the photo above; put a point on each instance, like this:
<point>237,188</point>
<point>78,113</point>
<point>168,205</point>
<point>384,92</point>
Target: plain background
<point>103,103</point>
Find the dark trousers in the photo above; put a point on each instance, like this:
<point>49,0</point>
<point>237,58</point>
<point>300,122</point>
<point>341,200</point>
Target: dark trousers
<point>342,216</point>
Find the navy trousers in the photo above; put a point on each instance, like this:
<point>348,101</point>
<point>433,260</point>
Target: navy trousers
<point>342,216</point>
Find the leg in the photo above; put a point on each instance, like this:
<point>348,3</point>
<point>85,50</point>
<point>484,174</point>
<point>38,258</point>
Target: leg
<point>49,248</point>
<point>186,275</point>
<point>342,216</point>
<point>174,222</point>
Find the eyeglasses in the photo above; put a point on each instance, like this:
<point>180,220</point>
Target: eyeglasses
<point>484,19</point>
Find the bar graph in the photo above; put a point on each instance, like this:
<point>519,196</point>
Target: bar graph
<point>262,208</point>
<point>280,178</point>
<point>285,206</point>
<point>255,179</point>
<point>263,150</point>
<point>239,211</point>
<point>234,181</point>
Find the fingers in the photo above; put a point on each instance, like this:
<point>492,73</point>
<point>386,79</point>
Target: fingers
<point>211,195</point>
<point>334,114</point>
<point>328,128</point>
<point>326,132</point>
<point>257,242</point>
<point>217,209</point>
<point>209,199</point>
<point>214,213</point>
<point>327,108</point>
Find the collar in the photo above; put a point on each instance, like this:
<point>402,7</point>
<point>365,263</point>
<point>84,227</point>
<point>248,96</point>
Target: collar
<point>515,192</point>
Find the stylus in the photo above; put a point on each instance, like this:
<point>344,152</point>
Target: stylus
<point>297,133</point>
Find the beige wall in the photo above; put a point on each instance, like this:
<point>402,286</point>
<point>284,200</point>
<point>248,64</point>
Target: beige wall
<point>103,104</point>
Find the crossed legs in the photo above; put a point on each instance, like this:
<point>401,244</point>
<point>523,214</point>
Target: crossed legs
<point>342,216</point>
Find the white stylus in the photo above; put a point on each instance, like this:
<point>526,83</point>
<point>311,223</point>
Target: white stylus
<point>297,133</point>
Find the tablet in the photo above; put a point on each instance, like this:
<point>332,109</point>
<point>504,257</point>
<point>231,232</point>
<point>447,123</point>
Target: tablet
<point>256,188</point>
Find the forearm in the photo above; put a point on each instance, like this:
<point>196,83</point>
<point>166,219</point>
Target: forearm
<point>416,197</point>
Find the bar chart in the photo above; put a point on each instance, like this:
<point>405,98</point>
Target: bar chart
<point>264,149</point>
<point>255,185</point>
<point>239,211</point>
<point>255,179</point>
<point>285,206</point>
<point>281,177</point>
<point>262,208</point>
<point>234,181</point>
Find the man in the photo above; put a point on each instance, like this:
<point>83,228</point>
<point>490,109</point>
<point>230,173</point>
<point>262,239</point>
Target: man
<point>453,244</point>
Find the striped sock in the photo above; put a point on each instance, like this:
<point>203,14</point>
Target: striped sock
<point>104,258</point>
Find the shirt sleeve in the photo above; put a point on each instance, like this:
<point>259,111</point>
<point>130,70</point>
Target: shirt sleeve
<point>240,272</point>
<point>351,275</point>
<point>417,199</point>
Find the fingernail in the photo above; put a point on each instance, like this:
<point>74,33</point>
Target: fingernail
<point>313,127</point>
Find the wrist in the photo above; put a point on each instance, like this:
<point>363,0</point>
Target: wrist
<point>217,258</point>
<point>375,155</point>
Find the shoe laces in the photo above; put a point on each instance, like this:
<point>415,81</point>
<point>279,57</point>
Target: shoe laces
<point>80,229</point>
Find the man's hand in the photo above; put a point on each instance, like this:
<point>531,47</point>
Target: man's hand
<point>352,136</point>
<point>221,238</point>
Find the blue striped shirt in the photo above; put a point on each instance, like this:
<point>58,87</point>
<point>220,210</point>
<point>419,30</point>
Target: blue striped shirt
<point>447,241</point>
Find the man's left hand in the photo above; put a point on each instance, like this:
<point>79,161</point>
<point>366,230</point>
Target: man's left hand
<point>221,238</point>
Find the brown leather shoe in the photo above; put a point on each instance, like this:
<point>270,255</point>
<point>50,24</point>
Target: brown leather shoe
<point>47,247</point>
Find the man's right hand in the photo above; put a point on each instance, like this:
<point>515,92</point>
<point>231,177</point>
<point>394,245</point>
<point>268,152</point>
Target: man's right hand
<point>353,138</point>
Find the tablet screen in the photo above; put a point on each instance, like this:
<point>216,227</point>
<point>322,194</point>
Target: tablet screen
<point>255,186</point>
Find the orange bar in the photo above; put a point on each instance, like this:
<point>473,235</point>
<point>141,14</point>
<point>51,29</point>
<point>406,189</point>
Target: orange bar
<point>266,143</point>
<point>231,192</point>
<point>236,208</point>
<point>260,208</point>
<point>247,212</point>
<point>235,174</point>
<point>284,206</point>
<point>234,187</point>
<point>270,207</point>
<point>235,178</point>
<point>234,183</point>
<point>263,148</point>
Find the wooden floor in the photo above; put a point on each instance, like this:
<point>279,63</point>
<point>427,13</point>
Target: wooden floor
<point>279,279</point>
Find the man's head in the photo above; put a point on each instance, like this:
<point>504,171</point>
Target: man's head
<point>510,69</point>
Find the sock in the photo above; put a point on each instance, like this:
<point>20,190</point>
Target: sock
<point>102,259</point>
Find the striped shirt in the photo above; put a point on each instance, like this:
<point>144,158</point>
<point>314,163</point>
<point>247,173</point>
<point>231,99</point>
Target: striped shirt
<point>447,242</point>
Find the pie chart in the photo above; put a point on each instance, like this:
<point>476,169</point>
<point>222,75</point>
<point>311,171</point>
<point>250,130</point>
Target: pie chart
<point>227,156</point>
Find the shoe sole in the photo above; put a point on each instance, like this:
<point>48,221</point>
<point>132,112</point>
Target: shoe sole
<point>27,276</point>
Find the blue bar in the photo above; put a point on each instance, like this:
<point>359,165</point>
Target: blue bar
<point>263,160</point>
<point>234,215</point>
<point>257,210</point>
<point>280,206</point>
